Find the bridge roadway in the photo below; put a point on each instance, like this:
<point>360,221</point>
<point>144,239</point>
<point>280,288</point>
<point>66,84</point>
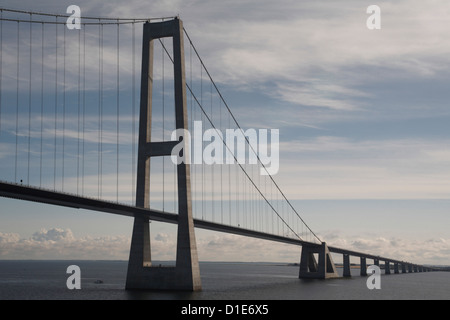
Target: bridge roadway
<point>22,192</point>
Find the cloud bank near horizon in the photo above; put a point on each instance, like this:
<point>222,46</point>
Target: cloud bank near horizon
<point>62,244</point>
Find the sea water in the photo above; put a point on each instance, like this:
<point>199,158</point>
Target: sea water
<point>105,280</point>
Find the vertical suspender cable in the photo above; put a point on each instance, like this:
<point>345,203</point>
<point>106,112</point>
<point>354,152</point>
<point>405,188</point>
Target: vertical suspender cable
<point>212,165</point>
<point>29,107</point>
<point>100,97</point>
<point>175,181</point>
<point>244,200</point>
<point>193,167</point>
<point>203,166</point>
<point>17,101</point>
<point>56,101</point>
<point>133,125</point>
<point>99,106</point>
<point>191,122</point>
<point>1,66</point>
<point>163,121</point>
<point>221,168</point>
<point>101,115</point>
<point>79,112</point>
<point>118,113</point>
<point>237,194</point>
<point>229,182</point>
<point>64,108</point>
<point>84,108</point>
<point>42,102</point>
<point>259,204</point>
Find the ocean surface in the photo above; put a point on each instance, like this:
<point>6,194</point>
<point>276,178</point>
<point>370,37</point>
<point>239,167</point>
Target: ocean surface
<point>46,280</point>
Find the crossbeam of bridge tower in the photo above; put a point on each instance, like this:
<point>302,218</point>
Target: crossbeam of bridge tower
<point>186,273</point>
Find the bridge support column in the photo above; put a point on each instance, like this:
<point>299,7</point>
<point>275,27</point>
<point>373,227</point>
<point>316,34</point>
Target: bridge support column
<point>363,266</point>
<point>403,268</point>
<point>387,267</point>
<point>186,273</point>
<point>396,271</point>
<point>346,263</point>
<point>310,268</point>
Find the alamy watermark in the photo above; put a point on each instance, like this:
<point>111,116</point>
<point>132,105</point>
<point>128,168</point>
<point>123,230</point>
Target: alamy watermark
<point>374,281</point>
<point>212,146</point>
<point>74,21</point>
<point>74,280</point>
<point>374,20</point>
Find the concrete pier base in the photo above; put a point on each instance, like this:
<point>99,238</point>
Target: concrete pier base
<point>310,268</point>
<point>141,274</point>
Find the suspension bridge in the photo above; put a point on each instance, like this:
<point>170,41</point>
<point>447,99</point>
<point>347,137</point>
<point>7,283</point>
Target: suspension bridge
<point>86,121</point>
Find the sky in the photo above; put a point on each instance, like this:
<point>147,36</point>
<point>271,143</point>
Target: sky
<point>363,118</point>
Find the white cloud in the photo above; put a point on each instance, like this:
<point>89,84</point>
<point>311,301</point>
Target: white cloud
<point>9,237</point>
<point>294,44</point>
<point>54,234</point>
<point>57,243</point>
<point>291,39</point>
<point>327,96</point>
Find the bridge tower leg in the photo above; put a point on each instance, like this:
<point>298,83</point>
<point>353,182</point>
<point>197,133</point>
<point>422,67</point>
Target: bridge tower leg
<point>186,273</point>
<point>310,268</point>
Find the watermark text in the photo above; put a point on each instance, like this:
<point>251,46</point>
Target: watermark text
<point>212,146</point>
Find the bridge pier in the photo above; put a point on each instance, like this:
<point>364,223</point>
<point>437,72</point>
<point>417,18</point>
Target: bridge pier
<point>363,266</point>
<point>310,268</point>
<point>387,267</point>
<point>396,271</point>
<point>346,263</point>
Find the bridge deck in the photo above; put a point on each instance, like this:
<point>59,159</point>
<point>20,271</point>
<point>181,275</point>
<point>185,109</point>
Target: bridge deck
<point>28,193</point>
